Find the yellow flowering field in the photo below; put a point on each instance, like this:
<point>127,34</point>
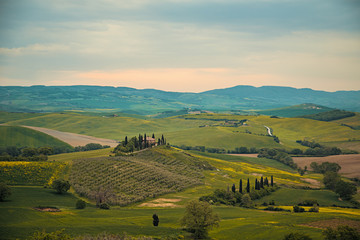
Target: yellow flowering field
<point>29,173</point>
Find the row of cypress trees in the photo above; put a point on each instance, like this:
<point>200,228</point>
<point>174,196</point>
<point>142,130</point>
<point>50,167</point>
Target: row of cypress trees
<point>258,184</point>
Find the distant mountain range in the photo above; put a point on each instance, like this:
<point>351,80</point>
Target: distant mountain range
<point>151,101</point>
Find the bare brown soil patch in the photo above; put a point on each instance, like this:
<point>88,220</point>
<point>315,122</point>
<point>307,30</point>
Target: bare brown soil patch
<point>254,155</point>
<point>47,209</point>
<point>162,202</point>
<point>313,182</point>
<point>74,139</point>
<point>350,164</point>
<point>334,223</point>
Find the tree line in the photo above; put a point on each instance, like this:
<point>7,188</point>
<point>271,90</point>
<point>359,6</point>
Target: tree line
<point>13,153</point>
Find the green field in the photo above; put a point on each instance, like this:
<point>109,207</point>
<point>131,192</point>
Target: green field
<point>210,130</point>
<point>163,179</point>
<point>25,137</point>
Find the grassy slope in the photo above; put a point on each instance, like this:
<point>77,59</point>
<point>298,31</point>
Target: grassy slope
<point>351,121</point>
<point>25,137</point>
<point>297,110</point>
<point>18,219</point>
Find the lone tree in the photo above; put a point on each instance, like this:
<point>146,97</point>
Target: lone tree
<point>199,218</point>
<point>61,186</point>
<point>5,192</point>
<point>155,220</point>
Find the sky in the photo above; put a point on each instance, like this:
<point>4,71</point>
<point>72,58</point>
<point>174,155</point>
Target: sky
<point>181,45</point>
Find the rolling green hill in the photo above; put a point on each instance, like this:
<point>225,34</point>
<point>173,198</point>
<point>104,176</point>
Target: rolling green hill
<point>295,111</point>
<point>210,130</point>
<point>25,137</point>
<point>19,219</point>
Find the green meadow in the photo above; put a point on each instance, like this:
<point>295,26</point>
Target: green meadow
<point>19,219</point>
<point>210,130</point>
<point>25,137</point>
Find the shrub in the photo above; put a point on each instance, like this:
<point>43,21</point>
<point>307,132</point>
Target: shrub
<point>342,232</point>
<point>61,186</point>
<point>80,204</point>
<point>309,202</point>
<point>296,236</point>
<point>104,206</point>
<point>315,208</point>
<point>57,235</point>
<point>298,209</point>
<point>5,191</point>
<point>276,209</point>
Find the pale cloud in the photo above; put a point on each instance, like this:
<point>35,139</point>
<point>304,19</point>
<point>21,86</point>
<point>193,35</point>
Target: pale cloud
<point>92,43</point>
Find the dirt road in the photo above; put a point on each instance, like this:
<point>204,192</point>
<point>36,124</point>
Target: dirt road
<point>75,139</point>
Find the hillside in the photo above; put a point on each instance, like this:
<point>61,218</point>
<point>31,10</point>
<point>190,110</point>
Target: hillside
<point>295,111</point>
<point>210,130</point>
<point>150,101</point>
<point>25,137</point>
<point>159,171</point>
<point>130,179</point>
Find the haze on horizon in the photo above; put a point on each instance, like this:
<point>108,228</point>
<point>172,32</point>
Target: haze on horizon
<point>181,45</point>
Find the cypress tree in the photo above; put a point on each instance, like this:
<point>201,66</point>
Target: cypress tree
<point>266,182</point>
<point>233,188</point>
<point>256,184</point>
<point>240,186</point>
<point>162,139</point>
<point>153,136</point>
<point>159,142</point>
<point>272,181</point>
<point>126,140</point>
<point>156,220</point>
<point>145,142</point>
<point>261,182</point>
<point>248,186</point>
<point>140,142</point>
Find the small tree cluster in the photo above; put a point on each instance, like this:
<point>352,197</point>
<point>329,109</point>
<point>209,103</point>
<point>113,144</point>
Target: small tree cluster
<point>277,155</point>
<point>138,143</point>
<point>61,186</point>
<point>333,182</point>
<point>238,198</point>
<point>341,233</point>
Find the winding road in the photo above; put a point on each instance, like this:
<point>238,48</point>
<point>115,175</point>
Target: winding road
<point>269,130</point>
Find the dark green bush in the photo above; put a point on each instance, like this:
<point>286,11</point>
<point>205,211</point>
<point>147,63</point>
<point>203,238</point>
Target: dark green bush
<point>298,209</point>
<point>104,206</point>
<point>80,204</point>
